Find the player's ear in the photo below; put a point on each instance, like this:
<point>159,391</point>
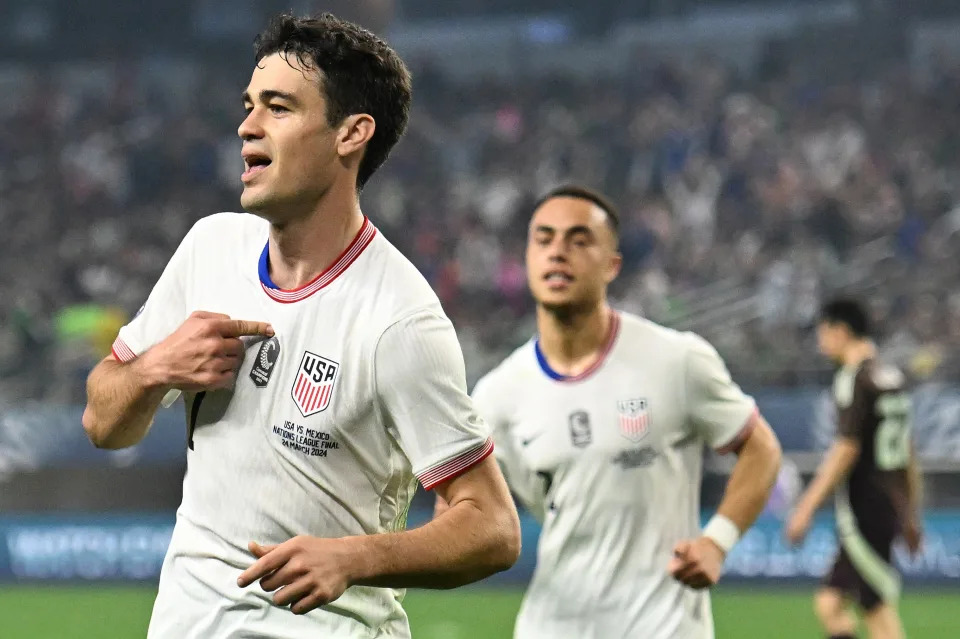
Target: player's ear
<point>614,266</point>
<point>354,133</point>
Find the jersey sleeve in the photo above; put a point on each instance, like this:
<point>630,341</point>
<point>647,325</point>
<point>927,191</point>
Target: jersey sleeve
<point>523,482</point>
<point>718,410</point>
<point>164,310</point>
<point>421,387</point>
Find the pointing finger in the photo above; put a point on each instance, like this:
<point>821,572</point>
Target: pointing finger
<point>208,315</point>
<point>238,328</point>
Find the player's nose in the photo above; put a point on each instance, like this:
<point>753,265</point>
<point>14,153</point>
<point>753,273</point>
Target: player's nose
<point>250,128</point>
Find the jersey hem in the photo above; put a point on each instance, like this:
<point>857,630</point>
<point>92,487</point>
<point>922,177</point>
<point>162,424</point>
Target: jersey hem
<point>742,435</point>
<point>122,352</point>
<point>446,471</point>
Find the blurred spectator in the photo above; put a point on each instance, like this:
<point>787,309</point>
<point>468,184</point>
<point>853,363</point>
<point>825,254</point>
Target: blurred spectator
<point>744,203</point>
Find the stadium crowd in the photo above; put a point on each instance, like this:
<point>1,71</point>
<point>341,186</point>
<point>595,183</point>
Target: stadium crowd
<point>744,202</point>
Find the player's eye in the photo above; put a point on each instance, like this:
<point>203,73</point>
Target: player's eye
<point>277,109</point>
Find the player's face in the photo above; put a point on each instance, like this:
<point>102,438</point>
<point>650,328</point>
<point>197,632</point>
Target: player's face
<point>831,339</point>
<point>571,254</point>
<point>289,149</point>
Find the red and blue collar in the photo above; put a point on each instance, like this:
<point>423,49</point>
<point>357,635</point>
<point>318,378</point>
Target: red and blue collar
<point>559,377</point>
<point>363,238</point>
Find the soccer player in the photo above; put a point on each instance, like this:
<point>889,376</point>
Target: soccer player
<point>600,422</point>
<point>872,470</point>
<point>322,379</point>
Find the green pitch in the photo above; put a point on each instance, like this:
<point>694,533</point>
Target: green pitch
<point>121,613</point>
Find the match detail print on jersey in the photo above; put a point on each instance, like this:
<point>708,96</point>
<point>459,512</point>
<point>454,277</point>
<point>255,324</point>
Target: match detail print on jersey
<point>634,418</point>
<point>313,385</point>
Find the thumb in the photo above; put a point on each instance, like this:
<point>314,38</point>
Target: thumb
<point>681,549</point>
<point>258,550</point>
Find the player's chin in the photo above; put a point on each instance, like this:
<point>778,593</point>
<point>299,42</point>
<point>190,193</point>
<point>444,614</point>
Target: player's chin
<point>255,199</point>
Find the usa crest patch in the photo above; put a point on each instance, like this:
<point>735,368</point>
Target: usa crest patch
<point>313,385</point>
<point>634,415</point>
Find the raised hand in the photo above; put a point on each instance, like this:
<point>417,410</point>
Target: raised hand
<point>204,353</point>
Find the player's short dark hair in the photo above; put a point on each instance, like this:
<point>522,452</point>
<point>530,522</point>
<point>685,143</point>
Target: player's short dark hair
<point>848,312</point>
<point>358,72</point>
<point>586,193</point>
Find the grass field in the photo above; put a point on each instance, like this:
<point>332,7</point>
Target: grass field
<point>122,613</point>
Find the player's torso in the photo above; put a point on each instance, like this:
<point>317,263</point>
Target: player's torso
<point>297,447</point>
<point>623,474</point>
<point>873,395</point>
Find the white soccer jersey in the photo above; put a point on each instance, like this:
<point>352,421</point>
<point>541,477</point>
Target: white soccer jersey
<point>610,461</point>
<point>361,393</point>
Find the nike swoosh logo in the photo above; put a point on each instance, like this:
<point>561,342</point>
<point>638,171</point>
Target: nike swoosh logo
<point>526,441</point>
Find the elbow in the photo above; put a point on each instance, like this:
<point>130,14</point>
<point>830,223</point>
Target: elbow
<point>99,435</point>
<point>90,427</point>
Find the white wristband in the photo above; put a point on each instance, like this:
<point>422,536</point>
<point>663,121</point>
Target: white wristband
<point>723,532</point>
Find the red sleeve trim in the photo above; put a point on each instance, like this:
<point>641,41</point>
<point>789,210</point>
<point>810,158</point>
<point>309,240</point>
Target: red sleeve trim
<point>122,352</point>
<point>734,445</point>
<point>457,466</point>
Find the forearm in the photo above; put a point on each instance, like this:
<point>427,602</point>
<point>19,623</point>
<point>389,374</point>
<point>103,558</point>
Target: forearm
<point>914,485</point>
<point>834,468</point>
<point>461,545</point>
<point>121,402</point>
<point>752,478</point>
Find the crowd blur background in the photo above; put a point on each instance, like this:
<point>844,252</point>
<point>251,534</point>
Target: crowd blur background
<point>765,155</point>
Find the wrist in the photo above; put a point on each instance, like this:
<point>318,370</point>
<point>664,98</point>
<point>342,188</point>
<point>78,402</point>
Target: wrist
<point>358,559</point>
<point>150,372</point>
<point>722,532</point>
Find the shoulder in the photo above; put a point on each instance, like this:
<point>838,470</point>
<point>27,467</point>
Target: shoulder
<point>509,376</point>
<point>226,229</point>
<point>667,345</point>
<point>399,291</point>
<point>639,329</point>
<point>880,376</point>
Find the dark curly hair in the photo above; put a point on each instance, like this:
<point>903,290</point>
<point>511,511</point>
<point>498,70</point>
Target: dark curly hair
<point>358,73</point>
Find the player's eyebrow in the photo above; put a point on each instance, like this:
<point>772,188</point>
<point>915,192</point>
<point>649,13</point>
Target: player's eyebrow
<point>270,94</point>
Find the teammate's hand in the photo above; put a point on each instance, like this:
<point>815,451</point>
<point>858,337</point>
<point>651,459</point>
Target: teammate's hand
<point>697,563</point>
<point>798,526</point>
<point>204,353</point>
<point>309,571</point>
<point>913,535</point>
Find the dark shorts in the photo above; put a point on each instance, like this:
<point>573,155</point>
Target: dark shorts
<point>845,577</point>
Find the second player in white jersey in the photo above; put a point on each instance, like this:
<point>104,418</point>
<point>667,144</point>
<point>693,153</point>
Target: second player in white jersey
<point>610,461</point>
<point>600,423</point>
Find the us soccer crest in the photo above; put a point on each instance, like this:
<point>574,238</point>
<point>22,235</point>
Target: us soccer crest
<point>313,384</point>
<point>634,417</point>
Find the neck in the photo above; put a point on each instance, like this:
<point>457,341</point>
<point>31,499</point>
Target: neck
<point>572,341</point>
<point>857,352</point>
<point>303,247</point>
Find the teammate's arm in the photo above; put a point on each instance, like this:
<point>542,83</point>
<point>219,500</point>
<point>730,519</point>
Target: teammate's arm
<point>698,563</point>
<point>836,465</point>
<point>728,421</point>
<point>204,353</point>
